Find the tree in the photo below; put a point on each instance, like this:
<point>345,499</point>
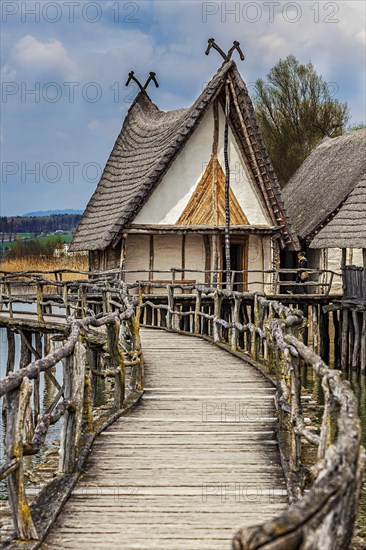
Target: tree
<point>356,126</point>
<point>295,110</point>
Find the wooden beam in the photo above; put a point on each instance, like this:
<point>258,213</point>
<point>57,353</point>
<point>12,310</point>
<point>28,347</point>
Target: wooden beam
<point>183,256</point>
<point>151,258</point>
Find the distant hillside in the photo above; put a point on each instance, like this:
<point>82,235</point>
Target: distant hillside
<point>12,225</point>
<point>51,213</point>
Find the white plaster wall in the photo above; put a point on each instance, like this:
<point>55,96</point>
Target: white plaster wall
<point>240,181</point>
<point>174,191</point>
<point>195,257</point>
<point>137,257</point>
<point>255,259</point>
<point>354,257</point>
<point>167,254</point>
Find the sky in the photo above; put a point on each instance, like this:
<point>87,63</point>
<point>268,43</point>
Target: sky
<point>64,65</point>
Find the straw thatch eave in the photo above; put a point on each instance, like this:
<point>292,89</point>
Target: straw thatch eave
<point>348,227</point>
<point>324,181</point>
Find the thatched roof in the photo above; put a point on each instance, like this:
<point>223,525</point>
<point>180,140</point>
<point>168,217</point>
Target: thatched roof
<point>348,228</point>
<point>148,143</point>
<point>324,180</point>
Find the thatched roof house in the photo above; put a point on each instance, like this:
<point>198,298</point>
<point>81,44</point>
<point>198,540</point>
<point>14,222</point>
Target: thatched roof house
<point>348,227</point>
<point>160,200</point>
<point>322,184</point>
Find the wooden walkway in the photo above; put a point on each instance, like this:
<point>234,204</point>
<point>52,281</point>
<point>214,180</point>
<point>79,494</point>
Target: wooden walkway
<point>195,461</point>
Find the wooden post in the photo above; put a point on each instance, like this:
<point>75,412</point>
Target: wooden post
<point>25,353</point>
<point>17,402</point>
<point>324,336</point>
<point>122,259</point>
<point>235,308</point>
<point>36,396</point>
<point>8,289</point>
<point>39,303</point>
<point>315,327</point>
<point>296,412</point>
<point>151,259</point>
<point>74,377</point>
<point>2,292</point>
<point>357,341</point>
<point>196,312</point>
<point>344,346</point>
<point>65,297</point>
<point>215,259</point>
<point>363,343</point>
<point>117,363</point>
<point>170,315</point>
<point>336,344</point>
<point>217,310</point>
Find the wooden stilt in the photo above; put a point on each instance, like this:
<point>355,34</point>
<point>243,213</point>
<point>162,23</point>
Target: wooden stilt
<point>336,342</point>
<point>344,336</point>
<point>356,341</point>
<point>324,335</point>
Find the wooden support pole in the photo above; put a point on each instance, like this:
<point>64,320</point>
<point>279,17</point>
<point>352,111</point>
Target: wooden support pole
<point>170,318</point>
<point>25,349</point>
<point>36,394</point>
<point>344,336</point>
<point>65,298</point>
<point>74,377</point>
<point>215,243</point>
<point>216,327</point>
<point>324,336</point>
<point>363,343</point>
<point>197,310</point>
<point>235,309</point>
<point>2,292</point>
<point>183,257</point>
<point>17,402</point>
<point>122,260</point>
<point>10,298</point>
<point>39,303</point>
<point>10,363</point>
<point>356,341</point>
<point>336,343</point>
<point>315,327</point>
<point>151,259</point>
<point>117,363</point>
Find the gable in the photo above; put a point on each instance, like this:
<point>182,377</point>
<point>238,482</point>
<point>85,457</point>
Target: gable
<point>139,185</point>
<point>178,186</point>
<point>203,209</point>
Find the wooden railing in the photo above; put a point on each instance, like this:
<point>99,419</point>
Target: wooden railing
<point>94,346</point>
<point>272,282</point>
<point>262,331</point>
<point>268,334</point>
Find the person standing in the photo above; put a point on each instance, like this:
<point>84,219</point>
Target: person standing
<point>302,275</point>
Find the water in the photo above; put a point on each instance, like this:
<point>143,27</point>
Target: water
<point>358,383</point>
<point>47,393</point>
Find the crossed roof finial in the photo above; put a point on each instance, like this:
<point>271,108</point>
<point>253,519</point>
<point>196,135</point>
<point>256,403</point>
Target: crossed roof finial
<point>131,76</point>
<point>226,57</point>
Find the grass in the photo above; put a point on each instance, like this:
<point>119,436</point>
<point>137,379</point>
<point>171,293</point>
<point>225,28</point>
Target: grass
<point>65,238</point>
<point>33,263</point>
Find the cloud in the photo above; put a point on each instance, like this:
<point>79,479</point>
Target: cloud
<point>44,57</point>
<point>8,73</point>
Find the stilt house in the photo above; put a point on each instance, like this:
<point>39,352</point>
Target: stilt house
<point>326,199</point>
<point>160,203</point>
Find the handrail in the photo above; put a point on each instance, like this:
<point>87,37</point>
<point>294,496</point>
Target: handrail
<point>270,336</point>
<point>96,346</point>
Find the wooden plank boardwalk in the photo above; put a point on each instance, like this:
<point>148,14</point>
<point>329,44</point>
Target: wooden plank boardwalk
<point>196,460</point>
